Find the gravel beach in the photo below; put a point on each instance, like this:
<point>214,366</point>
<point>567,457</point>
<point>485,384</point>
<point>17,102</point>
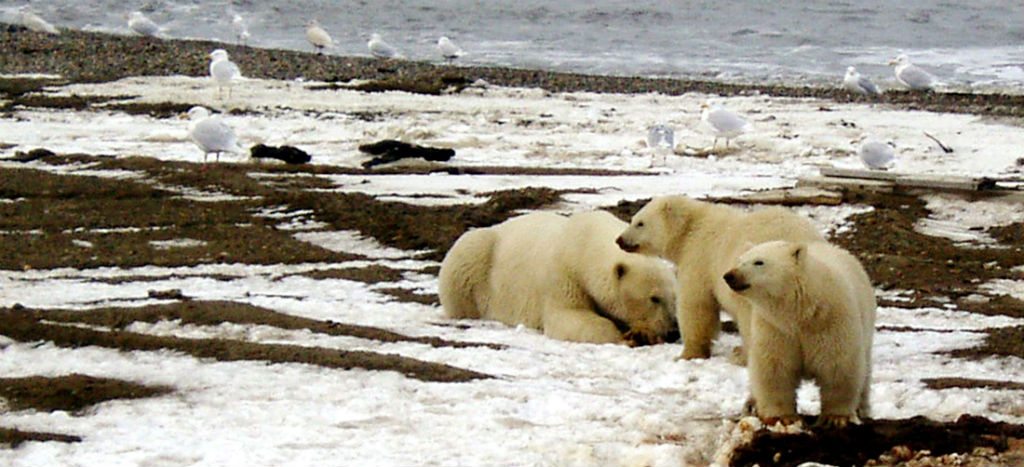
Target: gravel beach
<point>94,57</point>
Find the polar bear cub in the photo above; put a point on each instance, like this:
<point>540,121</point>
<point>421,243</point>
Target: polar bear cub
<point>563,275</point>
<point>703,240</point>
<point>812,316</point>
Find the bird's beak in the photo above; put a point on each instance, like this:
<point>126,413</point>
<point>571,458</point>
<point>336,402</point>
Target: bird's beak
<point>892,62</point>
<point>183,116</point>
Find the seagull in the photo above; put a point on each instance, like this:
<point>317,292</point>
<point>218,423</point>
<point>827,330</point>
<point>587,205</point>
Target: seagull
<point>139,23</point>
<point>661,137</point>
<point>448,49</point>
<point>318,37</point>
<point>854,82</point>
<point>877,155</point>
<point>379,48</point>
<point>241,30</point>
<point>911,75</point>
<point>33,22</point>
<point>662,140</point>
<point>211,134</point>
<point>223,70</point>
<point>725,123</point>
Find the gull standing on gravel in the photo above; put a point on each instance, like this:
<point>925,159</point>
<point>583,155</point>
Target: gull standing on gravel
<point>911,75</point>
<point>34,22</point>
<point>318,37</point>
<point>139,23</point>
<point>241,30</point>
<point>854,82</point>
<point>448,49</point>
<point>725,123</point>
<point>211,134</point>
<point>223,70</point>
<point>379,48</point>
<point>661,139</point>
<point>877,155</point>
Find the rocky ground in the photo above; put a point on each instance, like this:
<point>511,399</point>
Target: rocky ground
<point>53,205</point>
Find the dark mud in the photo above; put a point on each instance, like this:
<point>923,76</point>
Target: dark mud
<point>95,57</point>
<point>23,326</point>
<point>71,393</point>
<point>859,444</point>
<point>967,383</point>
<point>212,313</point>
<point>12,438</point>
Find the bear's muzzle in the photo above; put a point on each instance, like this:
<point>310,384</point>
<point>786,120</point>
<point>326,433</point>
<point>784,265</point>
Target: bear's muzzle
<point>625,245</point>
<point>735,281</point>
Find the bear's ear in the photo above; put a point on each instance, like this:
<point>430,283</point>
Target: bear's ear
<point>799,250</point>
<point>620,270</point>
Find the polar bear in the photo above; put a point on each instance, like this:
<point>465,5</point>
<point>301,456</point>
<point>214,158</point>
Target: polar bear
<point>703,240</point>
<point>812,316</point>
<point>563,275</point>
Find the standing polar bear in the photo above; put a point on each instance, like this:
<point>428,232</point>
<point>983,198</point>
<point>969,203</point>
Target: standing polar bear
<point>703,240</point>
<point>813,316</point>
<point>563,275</point>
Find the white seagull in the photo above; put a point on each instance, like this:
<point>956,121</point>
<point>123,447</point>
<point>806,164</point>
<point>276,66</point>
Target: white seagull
<point>211,134</point>
<point>911,75</point>
<point>317,36</point>
<point>854,82</point>
<point>139,23</point>
<point>448,49</point>
<point>35,23</point>
<point>223,70</point>
<point>725,123</point>
<point>379,48</point>
<point>877,155</point>
<point>241,30</point>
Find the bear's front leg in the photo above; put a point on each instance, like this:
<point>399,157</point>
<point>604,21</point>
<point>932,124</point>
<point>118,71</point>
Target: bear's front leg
<point>698,323</point>
<point>842,388</point>
<point>773,364</point>
<point>580,325</point>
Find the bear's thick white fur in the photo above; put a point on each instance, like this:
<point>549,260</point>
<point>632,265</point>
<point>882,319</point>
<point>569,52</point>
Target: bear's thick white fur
<point>563,275</point>
<point>813,316</point>
<point>703,240</point>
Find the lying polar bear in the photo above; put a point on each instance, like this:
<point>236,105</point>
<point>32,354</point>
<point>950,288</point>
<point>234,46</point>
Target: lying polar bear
<point>562,275</point>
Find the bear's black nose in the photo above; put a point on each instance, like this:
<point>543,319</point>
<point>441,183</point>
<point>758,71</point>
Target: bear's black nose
<point>626,246</point>
<point>734,282</point>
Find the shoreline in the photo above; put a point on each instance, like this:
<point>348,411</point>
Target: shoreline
<point>84,57</point>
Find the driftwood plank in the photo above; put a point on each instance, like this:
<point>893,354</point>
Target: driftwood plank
<point>938,182</point>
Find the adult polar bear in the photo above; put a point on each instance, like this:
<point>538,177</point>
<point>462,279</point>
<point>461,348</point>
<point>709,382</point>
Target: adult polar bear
<point>703,240</point>
<point>563,275</point>
<point>812,316</point>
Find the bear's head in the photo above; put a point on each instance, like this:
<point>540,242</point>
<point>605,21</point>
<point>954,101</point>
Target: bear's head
<point>654,226</point>
<point>768,270</point>
<point>646,288</point>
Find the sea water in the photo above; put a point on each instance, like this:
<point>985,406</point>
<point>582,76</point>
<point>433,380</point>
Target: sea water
<point>975,44</point>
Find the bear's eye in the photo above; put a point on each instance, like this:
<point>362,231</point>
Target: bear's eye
<point>656,300</point>
<point>758,263</point>
<point>640,224</point>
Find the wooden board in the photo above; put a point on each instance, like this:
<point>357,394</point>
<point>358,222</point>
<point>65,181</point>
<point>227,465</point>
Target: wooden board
<point>938,182</point>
